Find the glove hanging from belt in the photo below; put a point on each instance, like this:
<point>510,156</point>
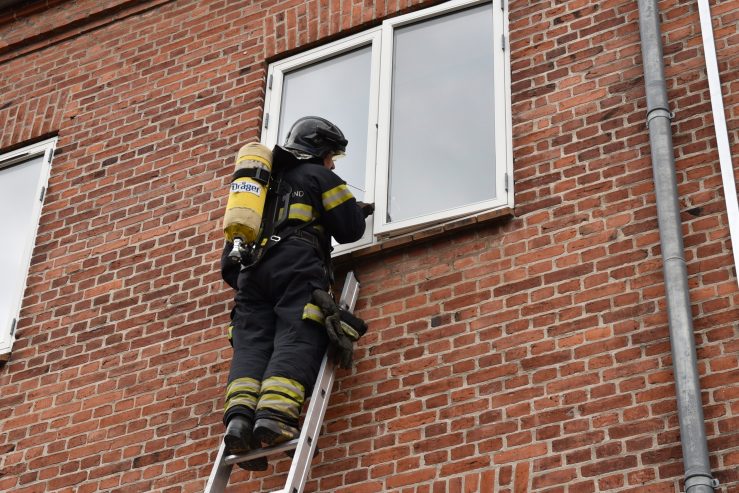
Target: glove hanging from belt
<point>343,328</point>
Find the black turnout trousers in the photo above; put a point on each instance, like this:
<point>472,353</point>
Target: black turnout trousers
<point>270,336</point>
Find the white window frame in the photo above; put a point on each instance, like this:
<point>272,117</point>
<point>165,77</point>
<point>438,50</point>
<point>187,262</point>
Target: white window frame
<point>45,149</point>
<point>378,133</point>
<point>273,103</point>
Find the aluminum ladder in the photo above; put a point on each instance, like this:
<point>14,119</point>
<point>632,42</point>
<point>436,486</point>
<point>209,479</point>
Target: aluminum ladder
<point>305,445</point>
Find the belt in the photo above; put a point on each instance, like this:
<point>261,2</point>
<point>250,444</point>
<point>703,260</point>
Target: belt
<point>312,239</point>
<point>307,237</point>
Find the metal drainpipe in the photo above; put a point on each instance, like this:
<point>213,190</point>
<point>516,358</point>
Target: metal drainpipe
<point>698,477</point>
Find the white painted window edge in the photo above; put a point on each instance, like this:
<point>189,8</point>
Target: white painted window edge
<point>719,122</point>
<point>45,149</point>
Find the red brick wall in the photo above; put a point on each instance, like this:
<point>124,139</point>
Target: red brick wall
<point>523,354</point>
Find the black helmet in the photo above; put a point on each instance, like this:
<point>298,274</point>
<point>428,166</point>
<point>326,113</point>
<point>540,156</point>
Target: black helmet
<point>316,137</point>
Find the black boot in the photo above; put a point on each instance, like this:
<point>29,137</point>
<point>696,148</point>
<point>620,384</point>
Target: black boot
<point>238,435</point>
<point>258,464</point>
<point>239,440</point>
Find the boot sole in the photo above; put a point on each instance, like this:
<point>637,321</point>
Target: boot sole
<point>235,445</point>
<point>270,436</point>
<point>267,436</point>
<point>254,464</point>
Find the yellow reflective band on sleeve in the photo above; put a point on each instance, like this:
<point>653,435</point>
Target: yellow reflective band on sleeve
<point>312,312</point>
<point>301,212</point>
<point>230,330</point>
<point>335,197</point>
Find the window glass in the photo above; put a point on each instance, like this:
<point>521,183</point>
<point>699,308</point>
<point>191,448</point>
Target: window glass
<point>19,196</point>
<point>441,137</point>
<point>336,89</point>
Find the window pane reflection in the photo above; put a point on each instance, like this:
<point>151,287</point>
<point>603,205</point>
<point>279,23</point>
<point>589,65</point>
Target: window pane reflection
<point>441,147</point>
<point>338,90</point>
<point>19,194</point>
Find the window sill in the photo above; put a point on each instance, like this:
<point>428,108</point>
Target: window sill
<point>431,232</point>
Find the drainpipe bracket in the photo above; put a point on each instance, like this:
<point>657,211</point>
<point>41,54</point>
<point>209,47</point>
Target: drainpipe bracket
<point>700,480</point>
<point>659,112</point>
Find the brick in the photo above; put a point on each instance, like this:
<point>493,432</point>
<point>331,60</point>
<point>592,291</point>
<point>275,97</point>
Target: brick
<point>631,429</point>
<point>546,360</point>
<point>577,441</point>
<point>513,455</point>
<point>609,465</point>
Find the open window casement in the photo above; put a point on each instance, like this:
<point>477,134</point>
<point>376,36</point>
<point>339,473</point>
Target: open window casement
<point>424,101</point>
<point>24,174</point>
<point>337,82</point>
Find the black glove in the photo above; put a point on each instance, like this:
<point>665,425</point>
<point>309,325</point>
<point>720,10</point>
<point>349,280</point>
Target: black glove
<point>343,328</point>
<point>367,209</point>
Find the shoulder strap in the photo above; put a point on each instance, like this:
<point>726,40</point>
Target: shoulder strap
<point>259,174</point>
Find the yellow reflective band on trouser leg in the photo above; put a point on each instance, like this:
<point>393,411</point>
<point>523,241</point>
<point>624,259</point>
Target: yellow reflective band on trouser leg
<point>335,197</point>
<point>242,392</point>
<point>282,395</point>
<point>312,312</point>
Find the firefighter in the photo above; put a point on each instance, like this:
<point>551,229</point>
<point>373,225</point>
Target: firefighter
<point>278,339</point>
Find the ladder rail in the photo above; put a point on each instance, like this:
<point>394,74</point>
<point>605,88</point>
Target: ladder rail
<point>218,479</point>
<point>300,466</point>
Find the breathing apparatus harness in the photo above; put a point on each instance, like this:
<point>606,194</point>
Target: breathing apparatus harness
<point>276,211</point>
<point>260,192</point>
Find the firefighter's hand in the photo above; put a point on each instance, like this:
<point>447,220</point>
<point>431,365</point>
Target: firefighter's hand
<point>343,328</point>
<point>325,302</point>
<point>367,209</point>
<point>342,338</point>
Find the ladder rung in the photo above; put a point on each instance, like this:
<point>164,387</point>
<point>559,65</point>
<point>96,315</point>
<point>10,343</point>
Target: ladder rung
<point>262,452</point>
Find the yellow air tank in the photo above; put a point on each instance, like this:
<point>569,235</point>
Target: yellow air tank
<point>248,192</point>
